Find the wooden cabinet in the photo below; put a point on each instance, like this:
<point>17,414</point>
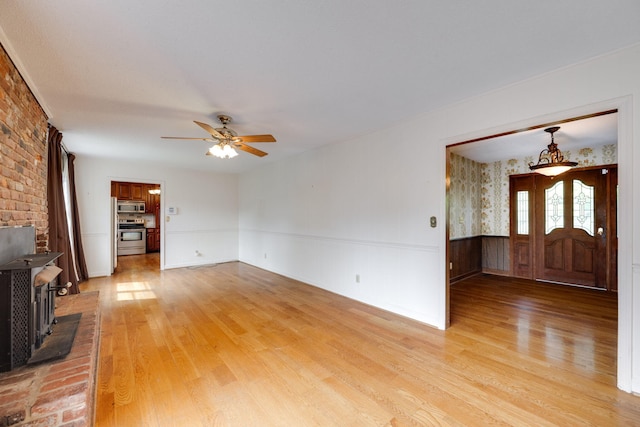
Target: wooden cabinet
<point>123,191</point>
<point>153,240</point>
<point>127,190</point>
<point>152,201</point>
<point>136,191</point>
<point>152,206</point>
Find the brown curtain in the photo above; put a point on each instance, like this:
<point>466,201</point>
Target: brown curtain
<point>58,231</point>
<point>81,265</point>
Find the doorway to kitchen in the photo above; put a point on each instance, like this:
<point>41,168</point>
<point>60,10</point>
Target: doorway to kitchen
<point>136,222</point>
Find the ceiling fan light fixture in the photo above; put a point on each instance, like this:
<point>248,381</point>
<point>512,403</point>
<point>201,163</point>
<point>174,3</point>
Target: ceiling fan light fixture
<point>227,140</point>
<point>551,161</point>
<point>229,152</point>
<point>215,150</point>
<point>223,151</point>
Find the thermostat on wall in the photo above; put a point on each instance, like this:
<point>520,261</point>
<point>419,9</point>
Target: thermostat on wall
<point>172,210</point>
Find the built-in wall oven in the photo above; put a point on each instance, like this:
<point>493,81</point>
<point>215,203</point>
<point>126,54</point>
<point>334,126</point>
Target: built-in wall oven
<point>132,237</point>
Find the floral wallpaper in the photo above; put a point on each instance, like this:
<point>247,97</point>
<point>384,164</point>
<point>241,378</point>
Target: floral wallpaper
<point>465,192</point>
<point>479,192</point>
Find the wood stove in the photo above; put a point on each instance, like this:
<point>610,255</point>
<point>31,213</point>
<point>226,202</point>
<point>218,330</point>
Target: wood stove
<point>28,286</point>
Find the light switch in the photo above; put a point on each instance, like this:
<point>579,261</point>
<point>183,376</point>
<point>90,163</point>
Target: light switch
<point>433,222</point>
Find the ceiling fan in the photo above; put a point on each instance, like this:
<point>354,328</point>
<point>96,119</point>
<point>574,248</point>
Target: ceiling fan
<point>226,140</point>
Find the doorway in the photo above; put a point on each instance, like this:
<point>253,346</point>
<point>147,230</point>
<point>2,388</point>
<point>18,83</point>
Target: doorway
<point>518,147</point>
<point>137,213</point>
<point>624,107</point>
<point>479,203</point>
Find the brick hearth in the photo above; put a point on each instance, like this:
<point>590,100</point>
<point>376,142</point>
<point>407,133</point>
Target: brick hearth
<point>62,392</point>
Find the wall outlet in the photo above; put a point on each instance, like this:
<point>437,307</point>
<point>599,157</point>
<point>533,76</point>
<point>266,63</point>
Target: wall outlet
<point>265,255</point>
<point>357,278</point>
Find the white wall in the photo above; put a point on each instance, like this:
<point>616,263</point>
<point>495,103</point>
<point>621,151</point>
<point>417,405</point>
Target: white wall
<point>347,210</point>
<point>207,219</point>
<point>353,209</point>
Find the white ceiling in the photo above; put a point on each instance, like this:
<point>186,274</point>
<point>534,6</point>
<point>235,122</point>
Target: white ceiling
<point>116,75</point>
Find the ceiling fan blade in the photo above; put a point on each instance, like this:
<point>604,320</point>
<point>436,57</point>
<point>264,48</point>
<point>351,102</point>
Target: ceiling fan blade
<point>209,129</point>
<point>251,150</point>
<point>189,138</point>
<point>256,138</point>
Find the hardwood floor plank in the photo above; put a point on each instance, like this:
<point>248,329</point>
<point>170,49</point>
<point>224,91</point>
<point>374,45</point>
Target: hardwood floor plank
<point>233,345</point>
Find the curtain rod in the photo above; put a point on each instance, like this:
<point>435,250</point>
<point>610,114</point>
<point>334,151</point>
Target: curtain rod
<point>49,125</point>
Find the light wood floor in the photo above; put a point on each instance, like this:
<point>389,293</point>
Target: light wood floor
<point>233,345</point>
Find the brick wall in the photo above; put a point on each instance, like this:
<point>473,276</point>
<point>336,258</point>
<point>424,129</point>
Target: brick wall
<point>23,154</point>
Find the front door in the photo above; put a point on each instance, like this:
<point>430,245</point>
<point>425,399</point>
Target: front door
<point>571,237</point>
<point>571,219</point>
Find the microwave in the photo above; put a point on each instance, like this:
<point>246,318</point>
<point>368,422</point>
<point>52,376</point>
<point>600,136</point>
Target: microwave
<point>127,206</point>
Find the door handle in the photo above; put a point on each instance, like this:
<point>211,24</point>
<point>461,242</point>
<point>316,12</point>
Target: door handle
<point>600,231</point>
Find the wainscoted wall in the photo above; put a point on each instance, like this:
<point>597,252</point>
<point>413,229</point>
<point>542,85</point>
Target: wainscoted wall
<point>495,255</point>
<point>465,257</point>
<point>480,254</point>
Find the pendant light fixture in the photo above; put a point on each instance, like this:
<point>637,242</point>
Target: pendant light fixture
<point>551,161</point>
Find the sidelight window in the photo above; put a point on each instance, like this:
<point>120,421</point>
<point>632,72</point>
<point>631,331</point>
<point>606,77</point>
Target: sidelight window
<point>522,212</point>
